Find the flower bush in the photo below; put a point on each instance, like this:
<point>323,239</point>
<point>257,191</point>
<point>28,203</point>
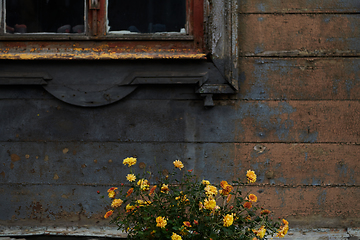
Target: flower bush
<point>188,208</point>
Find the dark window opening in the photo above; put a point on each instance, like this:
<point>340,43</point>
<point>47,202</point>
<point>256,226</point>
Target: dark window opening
<point>45,16</point>
<point>147,16</point>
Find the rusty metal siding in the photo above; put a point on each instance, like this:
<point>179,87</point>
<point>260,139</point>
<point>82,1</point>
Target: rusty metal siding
<point>294,121</point>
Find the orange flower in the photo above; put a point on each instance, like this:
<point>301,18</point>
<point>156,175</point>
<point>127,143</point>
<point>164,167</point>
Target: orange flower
<point>247,205</point>
<point>228,198</point>
<point>129,192</point>
<point>223,184</point>
<point>108,214</point>
<point>265,211</point>
<point>112,189</point>
<point>187,224</point>
<point>196,222</point>
<point>152,190</point>
<point>252,198</point>
<point>261,232</point>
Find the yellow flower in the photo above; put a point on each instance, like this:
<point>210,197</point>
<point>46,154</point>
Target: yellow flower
<point>251,176</point>
<point>108,214</point>
<point>252,198</point>
<point>209,204</point>
<point>261,232</point>
<point>129,208</point>
<point>111,192</point>
<point>116,203</point>
<point>165,188</point>
<point>205,182</point>
<point>283,229</point>
<point>174,236</point>
<point>178,164</point>
<point>228,220</point>
<point>144,184</point>
<point>129,161</point>
<point>130,177</point>
<point>161,222</point>
<point>210,190</point>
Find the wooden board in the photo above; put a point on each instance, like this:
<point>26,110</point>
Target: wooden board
<point>299,6</point>
<point>300,79</point>
<point>299,35</point>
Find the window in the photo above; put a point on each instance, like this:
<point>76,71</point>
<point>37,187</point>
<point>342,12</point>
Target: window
<point>102,29</point>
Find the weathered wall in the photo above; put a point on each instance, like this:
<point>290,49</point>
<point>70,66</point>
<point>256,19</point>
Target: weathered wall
<point>295,121</point>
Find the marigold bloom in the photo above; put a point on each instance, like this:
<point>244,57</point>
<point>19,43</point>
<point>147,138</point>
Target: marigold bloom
<point>210,204</point>
<point>129,192</point>
<point>178,164</point>
<point>112,189</point>
<point>210,190</point>
<point>129,208</point>
<point>108,214</point>
<point>226,190</point>
<point>165,188</point>
<point>129,161</point>
<point>152,190</point>
<point>161,222</point>
<point>174,236</point>
<point>247,205</point>
<point>205,182</point>
<point>255,238</point>
<point>251,176</point>
<point>131,177</point>
<point>187,224</point>
<point>228,220</point>
<point>144,184</point>
<point>265,211</point>
<point>196,222</point>
<point>228,198</point>
<point>261,232</point>
<point>223,184</point>
<point>116,203</point>
<point>252,198</point>
<point>283,229</point>
<point>112,194</point>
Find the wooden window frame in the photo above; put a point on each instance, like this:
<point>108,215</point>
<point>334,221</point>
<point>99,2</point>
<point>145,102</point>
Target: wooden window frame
<point>98,44</point>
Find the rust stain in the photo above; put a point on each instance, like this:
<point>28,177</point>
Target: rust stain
<point>2,174</point>
<point>56,177</point>
<point>27,156</point>
<point>14,157</point>
<point>11,165</point>
<point>46,158</point>
<point>65,150</point>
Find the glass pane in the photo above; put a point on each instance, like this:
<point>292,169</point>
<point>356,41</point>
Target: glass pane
<point>49,16</point>
<point>147,16</point>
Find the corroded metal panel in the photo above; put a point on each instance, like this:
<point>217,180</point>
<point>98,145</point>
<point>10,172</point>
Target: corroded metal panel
<point>299,6</point>
<point>299,35</point>
<point>300,79</point>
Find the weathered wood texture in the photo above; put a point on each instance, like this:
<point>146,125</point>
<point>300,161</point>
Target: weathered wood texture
<point>299,35</point>
<point>299,6</point>
<point>100,163</point>
<point>300,78</point>
<point>183,121</point>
